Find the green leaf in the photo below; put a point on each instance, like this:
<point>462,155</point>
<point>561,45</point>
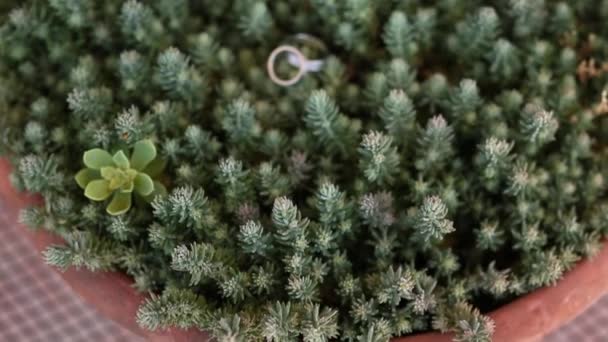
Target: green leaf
<point>159,190</point>
<point>108,172</point>
<point>121,160</point>
<point>85,176</point>
<point>97,158</point>
<point>143,184</point>
<point>98,190</point>
<point>121,203</point>
<point>155,168</point>
<point>128,187</point>
<point>143,153</point>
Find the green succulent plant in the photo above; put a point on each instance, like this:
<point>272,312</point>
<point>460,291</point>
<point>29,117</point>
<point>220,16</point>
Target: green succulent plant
<point>448,156</point>
<point>118,176</point>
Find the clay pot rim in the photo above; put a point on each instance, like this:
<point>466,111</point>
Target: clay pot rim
<point>528,318</point>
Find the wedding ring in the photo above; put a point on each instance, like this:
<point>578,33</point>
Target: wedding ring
<point>295,58</point>
<point>293,53</point>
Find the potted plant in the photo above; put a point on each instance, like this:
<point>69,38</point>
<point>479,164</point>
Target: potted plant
<point>430,164</point>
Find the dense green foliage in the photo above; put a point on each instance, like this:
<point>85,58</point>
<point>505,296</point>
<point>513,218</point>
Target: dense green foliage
<point>448,157</point>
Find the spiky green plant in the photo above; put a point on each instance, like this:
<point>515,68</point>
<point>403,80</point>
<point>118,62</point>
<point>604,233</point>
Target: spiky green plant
<point>448,156</point>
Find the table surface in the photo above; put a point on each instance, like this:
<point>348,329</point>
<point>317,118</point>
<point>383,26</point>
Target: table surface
<point>36,305</point>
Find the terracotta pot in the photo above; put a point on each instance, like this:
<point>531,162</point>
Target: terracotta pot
<point>526,319</point>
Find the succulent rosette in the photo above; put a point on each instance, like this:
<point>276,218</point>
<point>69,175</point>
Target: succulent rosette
<point>118,176</point>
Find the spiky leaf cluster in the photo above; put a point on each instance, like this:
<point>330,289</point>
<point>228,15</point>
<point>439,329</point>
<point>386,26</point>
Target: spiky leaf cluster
<point>447,155</point>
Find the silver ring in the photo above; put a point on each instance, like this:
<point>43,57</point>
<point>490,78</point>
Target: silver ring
<point>301,61</point>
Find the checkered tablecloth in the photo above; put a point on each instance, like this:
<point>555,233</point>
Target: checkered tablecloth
<point>36,305</point>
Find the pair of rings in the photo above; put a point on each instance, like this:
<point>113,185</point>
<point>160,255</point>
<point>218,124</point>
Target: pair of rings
<point>295,58</point>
